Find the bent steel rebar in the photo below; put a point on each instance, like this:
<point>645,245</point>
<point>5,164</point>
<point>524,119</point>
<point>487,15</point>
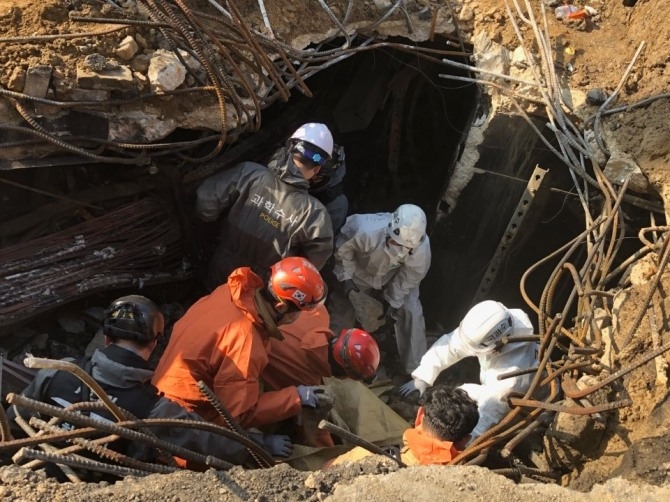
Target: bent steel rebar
<point>358,441</point>
<point>38,362</point>
<point>113,428</point>
<point>72,461</point>
<point>262,458</point>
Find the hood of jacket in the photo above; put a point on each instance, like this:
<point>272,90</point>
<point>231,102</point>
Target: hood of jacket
<point>119,367</point>
<point>282,165</point>
<point>243,283</point>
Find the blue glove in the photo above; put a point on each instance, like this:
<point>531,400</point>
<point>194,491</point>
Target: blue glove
<point>413,385</point>
<point>308,395</point>
<point>277,445</point>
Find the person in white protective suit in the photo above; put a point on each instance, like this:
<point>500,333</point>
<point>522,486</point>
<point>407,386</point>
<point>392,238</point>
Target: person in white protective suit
<point>389,252</point>
<point>480,334</point>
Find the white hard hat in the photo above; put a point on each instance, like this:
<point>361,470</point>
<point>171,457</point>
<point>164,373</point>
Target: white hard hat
<point>315,134</point>
<point>408,225</point>
<point>484,326</point>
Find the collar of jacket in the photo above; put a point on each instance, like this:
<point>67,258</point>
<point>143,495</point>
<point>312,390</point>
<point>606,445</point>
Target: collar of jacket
<point>119,367</point>
<point>427,448</point>
<point>281,164</point>
<point>268,321</point>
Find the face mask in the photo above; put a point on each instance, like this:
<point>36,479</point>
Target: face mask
<point>395,253</point>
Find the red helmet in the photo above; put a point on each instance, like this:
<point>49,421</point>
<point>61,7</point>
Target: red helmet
<point>357,352</point>
<point>295,280</point>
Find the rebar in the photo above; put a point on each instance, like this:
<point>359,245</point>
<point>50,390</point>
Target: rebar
<point>84,463</point>
<point>112,428</point>
<point>358,441</point>
<point>61,365</point>
<point>262,458</point>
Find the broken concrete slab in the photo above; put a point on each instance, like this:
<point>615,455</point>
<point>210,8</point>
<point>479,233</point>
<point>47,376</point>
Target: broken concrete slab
<point>77,94</point>
<point>490,56</point>
<point>111,77</point>
<point>37,80</point>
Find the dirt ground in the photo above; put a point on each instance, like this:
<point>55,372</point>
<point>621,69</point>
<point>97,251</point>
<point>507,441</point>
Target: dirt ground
<point>598,50</point>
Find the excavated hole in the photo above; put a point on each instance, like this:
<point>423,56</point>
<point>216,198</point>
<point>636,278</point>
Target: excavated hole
<point>403,128</point>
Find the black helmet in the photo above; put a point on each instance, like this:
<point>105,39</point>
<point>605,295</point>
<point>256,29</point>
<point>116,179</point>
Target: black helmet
<point>133,317</point>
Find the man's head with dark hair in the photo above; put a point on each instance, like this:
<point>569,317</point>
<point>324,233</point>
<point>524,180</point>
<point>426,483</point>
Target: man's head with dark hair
<point>449,414</point>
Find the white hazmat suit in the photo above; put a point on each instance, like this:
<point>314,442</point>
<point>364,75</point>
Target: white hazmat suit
<point>363,254</point>
<point>491,393</point>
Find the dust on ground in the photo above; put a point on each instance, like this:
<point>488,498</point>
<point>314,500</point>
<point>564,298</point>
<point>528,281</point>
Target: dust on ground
<point>597,51</point>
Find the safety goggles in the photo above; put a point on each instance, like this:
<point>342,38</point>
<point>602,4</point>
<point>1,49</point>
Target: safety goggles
<point>394,242</point>
<point>310,155</point>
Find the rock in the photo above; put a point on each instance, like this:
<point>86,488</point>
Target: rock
<point>141,41</point>
<point>595,97</point>
<point>140,62</point>
<point>55,14</point>
<point>71,324</point>
<point>17,80</point>
<point>97,313</point>
<point>111,77</point>
<point>142,80</point>
<point>127,48</point>
<point>37,80</point>
<point>165,72</point>
<point>621,166</point>
<point>383,4</point>
<point>597,155</point>
<point>519,58</point>
<point>572,438</point>
<point>367,311</point>
<point>95,62</point>
<point>491,56</point>
<point>40,341</point>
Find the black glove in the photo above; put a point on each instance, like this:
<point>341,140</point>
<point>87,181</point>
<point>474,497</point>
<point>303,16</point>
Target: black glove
<point>388,312</point>
<point>348,285</point>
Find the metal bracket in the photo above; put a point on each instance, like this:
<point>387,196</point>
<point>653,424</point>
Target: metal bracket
<point>513,227</point>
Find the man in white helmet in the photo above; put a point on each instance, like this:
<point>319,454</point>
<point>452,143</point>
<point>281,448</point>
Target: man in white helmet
<point>266,214</point>
<point>390,253</point>
<point>480,334</point>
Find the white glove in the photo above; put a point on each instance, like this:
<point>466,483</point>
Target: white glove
<point>412,385</point>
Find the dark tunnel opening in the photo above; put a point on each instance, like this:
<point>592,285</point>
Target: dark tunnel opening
<point>403,128</point>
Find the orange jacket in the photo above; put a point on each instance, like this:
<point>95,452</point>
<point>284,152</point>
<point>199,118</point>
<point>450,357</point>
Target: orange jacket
<point>302,357</point>
<point>422,448</point>
<point>221,341</point>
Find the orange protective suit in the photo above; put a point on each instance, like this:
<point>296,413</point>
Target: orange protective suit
<point>302,357</point>
<point>221,341</point>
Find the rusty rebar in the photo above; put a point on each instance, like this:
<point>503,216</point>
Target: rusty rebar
<point>84,463</point>
<point>358,441</point>
<point>73,369</point>
<point>112,428</point>
<point>572,410</point>
<point>262,458</point>
<point>103,451</point>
